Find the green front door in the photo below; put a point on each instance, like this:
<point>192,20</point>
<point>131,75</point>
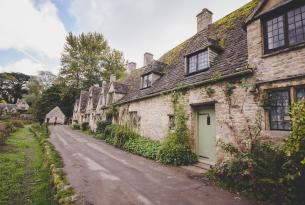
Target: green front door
<point>207,135</point>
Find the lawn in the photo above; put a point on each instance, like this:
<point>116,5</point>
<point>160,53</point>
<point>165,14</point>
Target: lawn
<point>24,178</point>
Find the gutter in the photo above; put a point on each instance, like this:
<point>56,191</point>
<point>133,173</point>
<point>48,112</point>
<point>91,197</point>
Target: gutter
<point>185,87</point>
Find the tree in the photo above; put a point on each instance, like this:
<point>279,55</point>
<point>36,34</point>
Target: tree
<point>35,89</point>
<point>12,86</point>
<point>87,59</point>
<point>46,78</point>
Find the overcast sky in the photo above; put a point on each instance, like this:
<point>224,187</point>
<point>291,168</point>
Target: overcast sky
<point>32,32</point>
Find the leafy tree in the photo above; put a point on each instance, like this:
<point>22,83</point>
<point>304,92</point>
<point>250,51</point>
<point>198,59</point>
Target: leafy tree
<point>46,78</point>
<point>35,89</point>
<point>87,59</point>
<point>12,86</point>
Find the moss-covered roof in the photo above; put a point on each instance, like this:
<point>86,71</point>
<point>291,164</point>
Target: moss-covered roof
<point>227,33</point>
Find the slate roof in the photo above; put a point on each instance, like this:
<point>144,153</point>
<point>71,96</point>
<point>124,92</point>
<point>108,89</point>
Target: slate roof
<point>84,96</point>
<point>96,91</point>
<point>155,67</point>
<point>7,106</point>
<point>227,32</point>
<point>120,88</point>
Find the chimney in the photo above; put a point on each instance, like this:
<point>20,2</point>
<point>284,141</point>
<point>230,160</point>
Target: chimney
<point>204,19</point>
<point>131,66</point>
<point>148,58</point>
<point>112,78</point>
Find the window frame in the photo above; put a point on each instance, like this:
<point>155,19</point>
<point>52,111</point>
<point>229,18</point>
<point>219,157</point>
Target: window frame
<point>289,98</point>
<point>188,57</point>
<point>143,80</point>
<point>296,91</point>
<point>276,14</point>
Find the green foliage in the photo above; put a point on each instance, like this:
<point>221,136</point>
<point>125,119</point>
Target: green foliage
<point>209,90</point>
<point>101,126</point>
<point>24,178</point>
<point>12,86</point>
<point>76,127</point>
<point>142,146</point>
<point>216,76</point>
<point>175,149</point>
<point>85,126</point>
<point>275,173</point>
<point>129,140</point>
<point>87,59</point>
<point>228,89</point>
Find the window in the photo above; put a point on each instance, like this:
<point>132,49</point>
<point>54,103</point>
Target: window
<point>300,94</point>
<point>285,30</point>
<point>146,81</point>
<point>279,116</point>
<point>275,33</point>
<point>171,123</point>
<point>198,62</point>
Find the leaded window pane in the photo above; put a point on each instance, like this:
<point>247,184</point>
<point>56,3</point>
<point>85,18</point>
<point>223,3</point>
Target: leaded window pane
<point>147,79</point>
<point>192,64</point>
<point>296,25</point>
<point>279,112</point>
<point>275,32</point>
<point>203,60</point>
<point>300,94</point>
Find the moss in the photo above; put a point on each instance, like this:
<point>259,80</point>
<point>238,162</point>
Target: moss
<point>171,55</point>
<point>226,23</point>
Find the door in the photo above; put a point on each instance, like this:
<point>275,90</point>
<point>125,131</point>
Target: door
<point>207,135</point>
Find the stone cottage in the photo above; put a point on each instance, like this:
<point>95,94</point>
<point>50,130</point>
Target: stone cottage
<point>20,106</point>
<point>247,65</point>
<point>55,115</point>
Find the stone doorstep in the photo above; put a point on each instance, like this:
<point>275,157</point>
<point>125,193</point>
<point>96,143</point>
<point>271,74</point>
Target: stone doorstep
<point>198,168</point>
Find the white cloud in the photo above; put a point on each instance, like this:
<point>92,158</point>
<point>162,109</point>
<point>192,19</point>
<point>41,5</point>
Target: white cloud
<point>27,66</point>
<point>137,26</point>
<point>30,29</point>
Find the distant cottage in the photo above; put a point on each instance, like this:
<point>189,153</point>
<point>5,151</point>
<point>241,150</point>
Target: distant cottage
<point>55,115</point>
<point>20,106</point>
<point>246,65</point>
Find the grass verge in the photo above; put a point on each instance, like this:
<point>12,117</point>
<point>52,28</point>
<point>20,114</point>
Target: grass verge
<point>24,177</point>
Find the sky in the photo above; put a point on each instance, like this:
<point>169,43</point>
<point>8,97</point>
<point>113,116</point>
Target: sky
<point>32,32</point>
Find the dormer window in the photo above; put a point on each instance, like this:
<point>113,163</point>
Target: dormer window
<point>285,29</point>
<point>197,62</point>
<point>146,80</point>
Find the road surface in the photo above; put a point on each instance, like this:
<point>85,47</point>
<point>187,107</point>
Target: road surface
<point>104,175</point>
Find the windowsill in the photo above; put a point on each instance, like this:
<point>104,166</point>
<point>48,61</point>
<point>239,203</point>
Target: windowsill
<point>196,72</point>
<point>145,88</point>
<point>284,50</point>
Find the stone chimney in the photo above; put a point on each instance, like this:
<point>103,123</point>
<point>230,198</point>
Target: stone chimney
<point>112,78</point>
<point>131,66</point>
<point>148,58</point>
<point>204,19</point>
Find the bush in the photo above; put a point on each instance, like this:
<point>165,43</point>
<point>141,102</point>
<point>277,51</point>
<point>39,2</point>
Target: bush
<point>100,136</point>
<point>142,146</point>
<point>76,127</point>
<point>85,126</point>
<point>18,123</point>
<point>173,153</point>
<point>175,150</point>
<point>101,125</point>
<point>268,172</point>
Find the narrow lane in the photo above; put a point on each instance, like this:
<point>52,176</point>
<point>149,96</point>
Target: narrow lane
<point>104,175</point>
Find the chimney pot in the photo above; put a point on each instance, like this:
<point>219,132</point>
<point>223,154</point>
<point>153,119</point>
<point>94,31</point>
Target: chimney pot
<point>204,19</point>
<point>131,66</point>
<point>148,58</point>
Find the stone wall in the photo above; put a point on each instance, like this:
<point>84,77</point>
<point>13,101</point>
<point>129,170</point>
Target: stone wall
<point>154,119</point>
<point>277,65</point>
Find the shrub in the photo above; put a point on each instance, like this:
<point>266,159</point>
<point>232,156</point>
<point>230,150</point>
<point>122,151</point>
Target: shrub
<point>173,153</point>
<point>275,173</point>
<point>142,146</point>
<point>100,136</point>
<point>175,150</point>
<point>85,126</point>
<point>18,123</point>
<point>101,125</point>
<point>76,127</point>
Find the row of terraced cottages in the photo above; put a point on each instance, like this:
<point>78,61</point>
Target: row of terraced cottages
<point>250,63</point>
